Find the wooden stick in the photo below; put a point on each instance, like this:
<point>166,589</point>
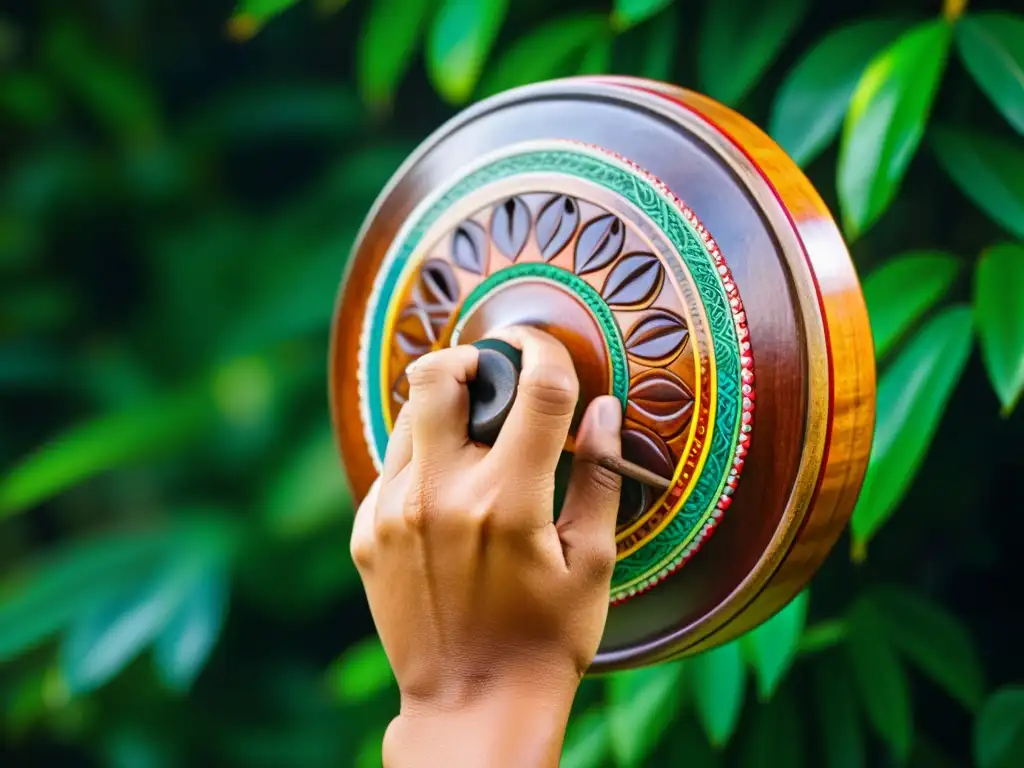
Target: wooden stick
<point>635,472</point>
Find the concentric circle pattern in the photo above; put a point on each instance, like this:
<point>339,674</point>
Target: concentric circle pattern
<point>613,251</point>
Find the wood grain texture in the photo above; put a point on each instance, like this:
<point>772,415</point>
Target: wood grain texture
<point>808,327</point>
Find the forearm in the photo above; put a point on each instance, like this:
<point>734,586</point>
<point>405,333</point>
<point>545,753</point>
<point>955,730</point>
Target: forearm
<point>522,729</point>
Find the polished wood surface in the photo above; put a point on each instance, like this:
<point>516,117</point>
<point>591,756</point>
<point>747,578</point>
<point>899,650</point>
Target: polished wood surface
<point>808,327</point>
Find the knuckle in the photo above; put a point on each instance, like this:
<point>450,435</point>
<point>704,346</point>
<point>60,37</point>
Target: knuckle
<point>600,560</point>
<point>606,481</point>
<point>361,551</point>
<point>425,373</point>
<point>551,390</point>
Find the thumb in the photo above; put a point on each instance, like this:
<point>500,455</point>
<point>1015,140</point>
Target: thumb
<point>586,524</point>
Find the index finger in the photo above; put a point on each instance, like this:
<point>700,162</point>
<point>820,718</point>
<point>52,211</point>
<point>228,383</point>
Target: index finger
<point>534,434</point>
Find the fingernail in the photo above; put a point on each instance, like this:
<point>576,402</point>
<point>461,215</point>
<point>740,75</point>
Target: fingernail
<point>609,414</point>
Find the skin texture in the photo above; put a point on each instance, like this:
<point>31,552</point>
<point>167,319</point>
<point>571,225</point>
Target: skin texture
<point>490,612</point>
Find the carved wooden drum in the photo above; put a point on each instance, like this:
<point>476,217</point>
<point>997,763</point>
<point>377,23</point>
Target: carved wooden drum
<point>694,273</point>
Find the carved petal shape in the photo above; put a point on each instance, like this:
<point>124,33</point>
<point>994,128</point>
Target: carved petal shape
<point>658,338</point>
<point>599,243</point>
<point>642,446</point>
<point>414,332</point>
<point>662,401</point>
<point>469,247</point>
<point>634,281</point>
<point>437,287</point>
<point>510,227</point>
<point>556,224</point>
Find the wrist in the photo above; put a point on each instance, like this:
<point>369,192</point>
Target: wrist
<point>507,727</point>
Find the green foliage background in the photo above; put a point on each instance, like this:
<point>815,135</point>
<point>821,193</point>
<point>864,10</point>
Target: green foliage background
<point>182,183</point>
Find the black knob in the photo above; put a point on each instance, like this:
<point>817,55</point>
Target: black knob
<point>493,391</point>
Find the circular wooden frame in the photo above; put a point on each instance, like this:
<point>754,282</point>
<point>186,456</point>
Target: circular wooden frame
<point>775,245</point>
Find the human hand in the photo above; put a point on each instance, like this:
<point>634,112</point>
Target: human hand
<point>489,611</point>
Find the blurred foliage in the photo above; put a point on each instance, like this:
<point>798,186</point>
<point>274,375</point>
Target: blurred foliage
<point>182,183</point>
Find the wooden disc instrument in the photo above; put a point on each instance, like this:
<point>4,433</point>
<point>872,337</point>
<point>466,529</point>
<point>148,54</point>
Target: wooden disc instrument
<point>694,273</point>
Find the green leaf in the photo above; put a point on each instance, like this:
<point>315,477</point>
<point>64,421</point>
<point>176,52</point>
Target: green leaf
<point>660,45</point>
<point>880,679</point>
<point>934,640</point>
<point>387,43</point>
<point>103,640</point>
<point>1000,318</point>
<point>77,578</point>
<point>182,648</point>
<point>554,49</point>
<point>311,491</point>
<point>641,704</point>
<point>912,396</point>
<point>371,751</point>
<point>104,443</point>
<point>264,10</point>
<point>886,119</point>
<point>740,39</point>
<point>988,170</point>
<point>992,48</point>
<point>362,672</point>
<point>812,101</point>
<point>902,290</point>
<point>597,58</point>
<point>841,733</point>
<point>776,739</point>
<point>586,741</point>
<point>719,680</point>
<point>628,13</point>
<point>773,645</point>
<point>999,729</point>
<point>459,43</point>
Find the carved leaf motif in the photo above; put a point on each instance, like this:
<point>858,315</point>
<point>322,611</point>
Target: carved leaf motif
<point>469,247</point>
<point>661,400</point>
<point>414,331</point>
<point>599,243</point>
<point>641,446</point>
<point>510,227</point>
<point>657,339</point>
<point>634,281</point>
<point>556,224</point>
<point>437,287</point>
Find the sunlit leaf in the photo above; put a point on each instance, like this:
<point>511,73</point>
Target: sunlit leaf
<point>902,290</point>
<point>992,48</point>
<point>460,40</point>
<point>842,737</point>
<point>553,49</point>
<point>103,640</point>
<point>627,13</point>
<point>886,119</point>
<point>719,680</point>
<point>934,640</point>
<point>881,680</point>
<point>773,645</point>
<point>660,45</point>
<point>740,39</point>
<point>102,444</point>
<point>370,753</point>
<point>1000,319</point>
<point>999,729</point>
<point>586,741</point>
<point>812,101</point>
<point>190,634</point>
<point>362,672</point>
<point>389,39</point>
<point>311,490</point>
<point>912,396</point>
<point>776,737</point>
<point>988,170</point>
<point>641,704</point>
